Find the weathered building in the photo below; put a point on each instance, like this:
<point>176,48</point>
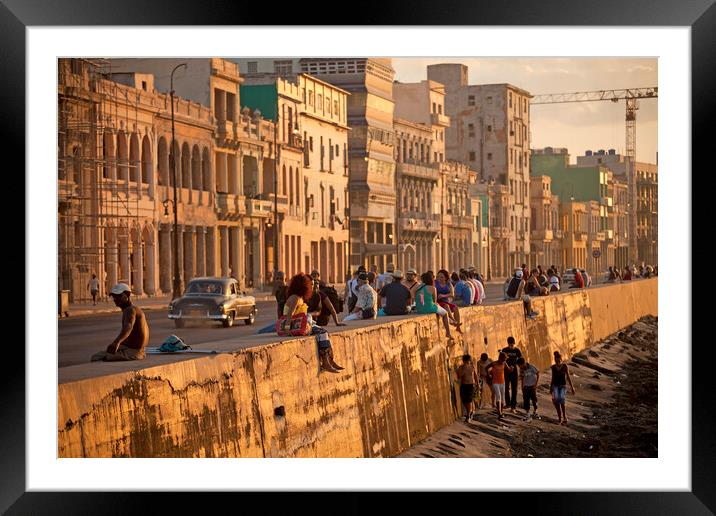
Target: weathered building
<point>115,186</point>
<point>490,133</point>
<point>242,152</point>
<point>311,117</point>
<point>545,231</point>
<point>372,186</point>
<point>646,181</point>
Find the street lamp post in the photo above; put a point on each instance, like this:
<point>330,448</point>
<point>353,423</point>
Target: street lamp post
<point>177,283</point>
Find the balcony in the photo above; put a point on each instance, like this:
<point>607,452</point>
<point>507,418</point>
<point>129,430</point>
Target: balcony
<point>295,142</point>
<point>229,205</point>
<point>600,236</point>
<point>558,234</point>
<point>461,221</point>
<point>282,200</point>
<point>545,235</point>
<point>500,232</point>
<point>580,236</point>
<point>420,171</point>
<point>419,222</point>
<point>258,208</point>
<point>225,130</point>
<point>441,120</point>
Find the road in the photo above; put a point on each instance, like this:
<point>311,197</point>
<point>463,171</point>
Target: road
<point>80,337</point>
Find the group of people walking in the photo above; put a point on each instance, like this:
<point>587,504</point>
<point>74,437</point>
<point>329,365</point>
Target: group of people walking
<point>501,377</point>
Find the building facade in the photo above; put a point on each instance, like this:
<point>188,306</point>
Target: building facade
<point>592,185</point>
<point>546,232</point>
<point>645,216</point>
<point>372,186</point>
<point>490,133</point>
<point>117,170</point>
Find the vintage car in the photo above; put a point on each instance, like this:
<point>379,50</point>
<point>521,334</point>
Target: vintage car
<point>213,299</point>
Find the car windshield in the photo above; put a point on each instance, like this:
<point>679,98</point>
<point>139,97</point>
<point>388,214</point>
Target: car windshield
<point>205,288</point>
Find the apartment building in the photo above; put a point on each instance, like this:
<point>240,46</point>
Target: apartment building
<point>490,133</point>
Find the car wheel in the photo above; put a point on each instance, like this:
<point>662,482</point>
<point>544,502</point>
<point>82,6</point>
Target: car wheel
<point>178,323</point>
<point>229,321</point>
<point>252,318</point>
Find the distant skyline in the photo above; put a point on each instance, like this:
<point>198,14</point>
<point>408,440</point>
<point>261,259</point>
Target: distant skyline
<point>577,126</point>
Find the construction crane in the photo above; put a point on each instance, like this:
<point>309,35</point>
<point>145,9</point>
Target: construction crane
<point>631,96</point>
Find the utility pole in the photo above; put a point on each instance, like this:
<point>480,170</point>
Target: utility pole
<point>275,189</point>
<point>177,284</point>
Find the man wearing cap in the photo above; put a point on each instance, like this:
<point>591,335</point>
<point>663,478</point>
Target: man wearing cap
<point>134,337</point>
<point>411,283</point>
<point>516,290</point>
<point>396,295</point>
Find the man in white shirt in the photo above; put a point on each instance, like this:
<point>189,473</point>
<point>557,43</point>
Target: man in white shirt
<point>93,287</point>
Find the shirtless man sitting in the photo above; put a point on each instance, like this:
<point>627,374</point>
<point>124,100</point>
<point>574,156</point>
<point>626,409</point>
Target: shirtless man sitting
<point>134,337</point>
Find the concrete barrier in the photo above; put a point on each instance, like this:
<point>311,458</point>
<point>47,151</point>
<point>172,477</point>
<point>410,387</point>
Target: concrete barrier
<point>270,401</point>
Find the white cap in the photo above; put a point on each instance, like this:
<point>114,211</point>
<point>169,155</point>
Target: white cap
<point>553,280</point>
<point>120,288</point>
<point>518,273</point>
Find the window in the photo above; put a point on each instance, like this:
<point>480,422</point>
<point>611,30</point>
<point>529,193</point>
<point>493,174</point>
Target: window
<point>320,102</point>
<point>283,67</point>
<point>252,67</point>
<point>510,97</point>
<point>471,130</point>
<point>440,109</point>
<point>489,100</point>
<point>144,85</point>
<point>335,107</point>
<point>472,156</point>
<point>489,155</point>
<point>489,128</point>
<point>434,108</point>
<point>471,100</point>
<point>310,97</point>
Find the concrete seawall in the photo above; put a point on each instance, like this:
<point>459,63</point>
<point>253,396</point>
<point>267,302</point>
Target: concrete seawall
<point>271,401</point>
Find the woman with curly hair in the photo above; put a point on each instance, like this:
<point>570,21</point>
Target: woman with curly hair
<point>300,290</point>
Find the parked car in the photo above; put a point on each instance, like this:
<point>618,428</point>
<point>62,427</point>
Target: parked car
<point>568,278</point>
<point>213,299</point>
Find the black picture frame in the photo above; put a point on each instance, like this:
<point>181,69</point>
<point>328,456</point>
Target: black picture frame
<point>16,15</point>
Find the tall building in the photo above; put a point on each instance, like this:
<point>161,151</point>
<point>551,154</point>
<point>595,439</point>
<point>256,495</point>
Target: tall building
<point>646,220</point>
<point>372,186</point>
<point>490,133</point>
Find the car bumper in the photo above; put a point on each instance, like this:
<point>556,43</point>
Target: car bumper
<point>198,317</point>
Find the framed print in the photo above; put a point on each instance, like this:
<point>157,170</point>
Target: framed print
<point>227,165</point>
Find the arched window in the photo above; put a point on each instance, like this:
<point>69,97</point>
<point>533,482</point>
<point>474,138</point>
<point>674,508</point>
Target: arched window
<point>146,171</point>
<point>206,169</point>
<point>185,166</point>
<point>134,158</point>
<point>196,182</point>
<point>122,156</point>
<point>163,162</point>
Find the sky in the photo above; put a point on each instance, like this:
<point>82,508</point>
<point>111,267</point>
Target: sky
<point>577,126</point>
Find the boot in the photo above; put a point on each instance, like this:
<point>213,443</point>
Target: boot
<point>333,362</point>
<point>326,365</point>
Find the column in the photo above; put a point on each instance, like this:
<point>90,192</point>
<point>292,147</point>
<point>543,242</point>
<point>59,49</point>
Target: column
<point>165,258</point>
<point>201,251</point>
<point>234,254</point>
<point>259,251</point>
<point>224,243</point>
<point>124,260</point>
<point>151,266</point>
<point>138,266</point>
<point>188,253</point>
<point>211,251</point>
<point>241,252</point>
<point>111,260</point>
<point>180,258</point>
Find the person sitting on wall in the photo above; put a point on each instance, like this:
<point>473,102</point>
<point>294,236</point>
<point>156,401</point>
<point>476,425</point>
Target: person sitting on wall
<point>134,337</point>
<point>366,306</point>
<point>515,289</point>
<point>396,296</point>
